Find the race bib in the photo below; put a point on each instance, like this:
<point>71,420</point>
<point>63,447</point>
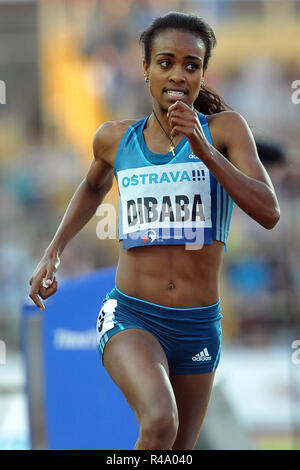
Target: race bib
<point>165,203</point>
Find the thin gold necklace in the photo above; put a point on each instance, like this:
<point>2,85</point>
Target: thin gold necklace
<point>172,146</point>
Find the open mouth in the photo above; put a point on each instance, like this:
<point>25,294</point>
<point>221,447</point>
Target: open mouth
<point>176,94</point>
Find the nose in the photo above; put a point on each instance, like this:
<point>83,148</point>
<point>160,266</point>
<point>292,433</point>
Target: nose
<point>177,75</point>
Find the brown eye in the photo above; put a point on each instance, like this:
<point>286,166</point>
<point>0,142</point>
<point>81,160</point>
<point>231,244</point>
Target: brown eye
<point>192,67</point>
<point>165,64</point>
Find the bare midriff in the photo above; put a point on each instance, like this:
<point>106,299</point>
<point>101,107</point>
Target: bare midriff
<point>171,275</point>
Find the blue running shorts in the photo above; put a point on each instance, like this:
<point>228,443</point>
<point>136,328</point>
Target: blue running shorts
<point>190,337</point>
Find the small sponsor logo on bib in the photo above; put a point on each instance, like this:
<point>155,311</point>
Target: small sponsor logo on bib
<point>149,235</point>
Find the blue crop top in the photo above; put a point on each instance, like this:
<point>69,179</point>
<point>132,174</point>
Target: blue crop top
<point>166,199</point>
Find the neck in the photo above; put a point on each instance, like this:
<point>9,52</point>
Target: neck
<point>164,131</point>
<point>161,114</point>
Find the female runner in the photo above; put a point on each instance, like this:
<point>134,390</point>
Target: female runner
<point>179,171</point>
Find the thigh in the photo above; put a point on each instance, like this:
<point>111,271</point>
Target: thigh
<point>136,362</point>
<point>192,393</point>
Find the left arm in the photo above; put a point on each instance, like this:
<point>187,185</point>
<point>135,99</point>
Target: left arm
<point>242,175</point>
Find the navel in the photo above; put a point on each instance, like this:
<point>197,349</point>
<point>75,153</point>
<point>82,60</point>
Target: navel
<point>171,285</point>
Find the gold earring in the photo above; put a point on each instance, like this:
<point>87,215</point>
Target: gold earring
<point>146,78</point>
<point>202,82</point>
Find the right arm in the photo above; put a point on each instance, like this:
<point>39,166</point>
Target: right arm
<point>83,205</point>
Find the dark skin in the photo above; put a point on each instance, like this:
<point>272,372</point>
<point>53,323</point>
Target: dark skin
<point>170,408</point>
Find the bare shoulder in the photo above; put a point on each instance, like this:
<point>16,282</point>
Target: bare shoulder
<point>226,125</point>
<point>227,118</point>
<point>108,137</point>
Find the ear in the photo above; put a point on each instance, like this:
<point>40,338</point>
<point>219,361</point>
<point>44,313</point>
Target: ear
<point>146,68</point>
<point>202,80</point>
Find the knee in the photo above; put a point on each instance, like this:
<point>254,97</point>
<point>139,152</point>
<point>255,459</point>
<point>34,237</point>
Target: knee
<point>159,429</point>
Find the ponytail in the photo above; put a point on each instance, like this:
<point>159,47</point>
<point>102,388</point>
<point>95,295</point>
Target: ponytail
<point>209,102</point>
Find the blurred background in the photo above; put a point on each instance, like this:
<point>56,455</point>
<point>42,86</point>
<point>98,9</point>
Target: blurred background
<point>66,66</point>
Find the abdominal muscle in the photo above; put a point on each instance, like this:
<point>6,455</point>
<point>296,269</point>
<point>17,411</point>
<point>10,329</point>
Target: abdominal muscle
<point>171,275</point>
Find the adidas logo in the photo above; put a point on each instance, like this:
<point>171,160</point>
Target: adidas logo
<point>202,356</point>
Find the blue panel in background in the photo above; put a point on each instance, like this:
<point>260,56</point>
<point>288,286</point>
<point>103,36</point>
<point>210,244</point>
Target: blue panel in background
<point>83,407</point>
<point>251,276</point>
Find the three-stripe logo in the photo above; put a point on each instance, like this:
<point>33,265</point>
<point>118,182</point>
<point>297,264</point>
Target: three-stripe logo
<point>202,356</point>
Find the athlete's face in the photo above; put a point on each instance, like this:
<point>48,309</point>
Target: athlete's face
<point>176,67</point>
